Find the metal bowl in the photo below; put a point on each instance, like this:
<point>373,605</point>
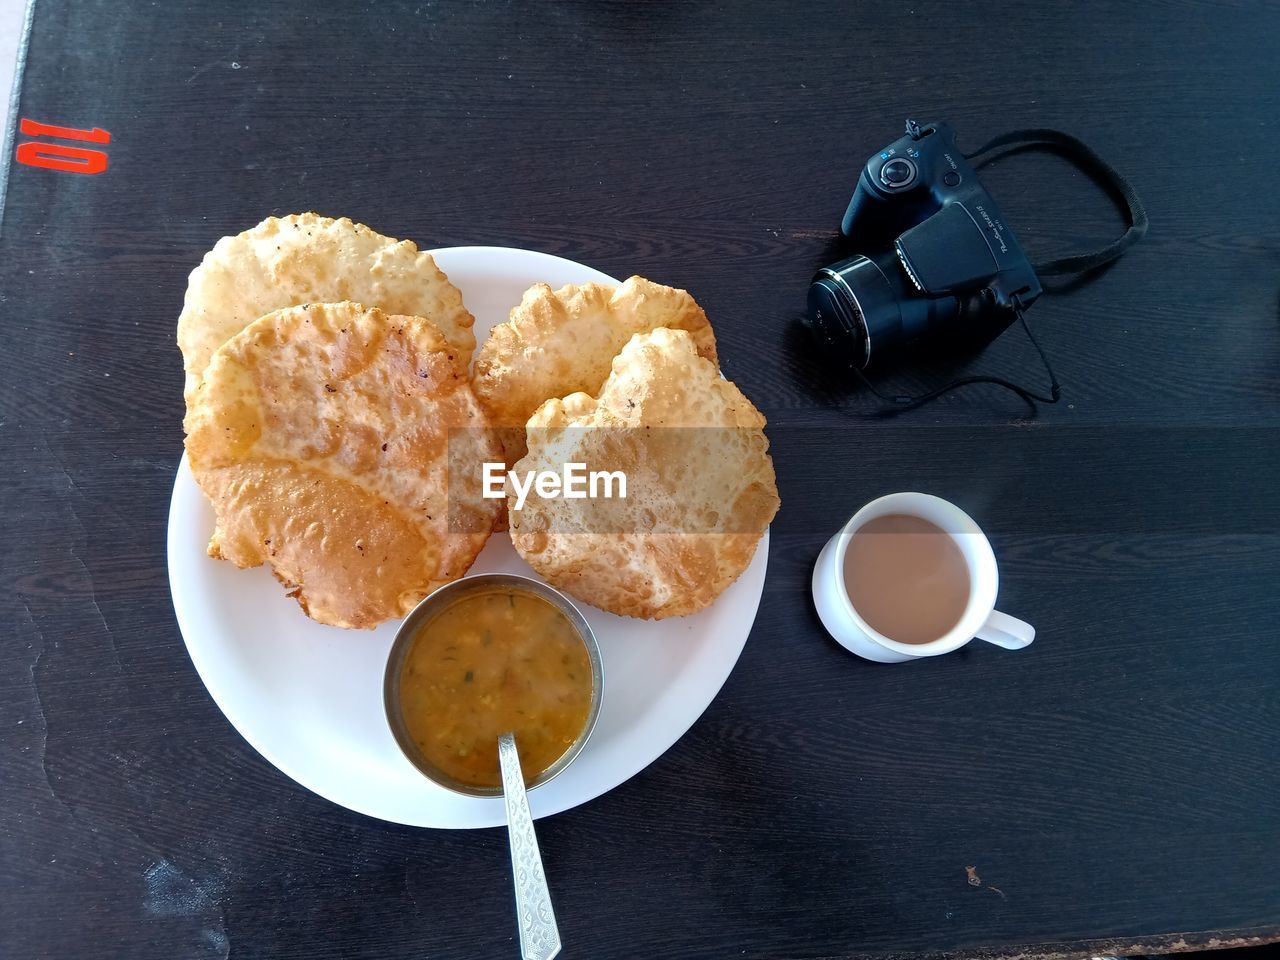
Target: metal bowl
<point>434,605</point>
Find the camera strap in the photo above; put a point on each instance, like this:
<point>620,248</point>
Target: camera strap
<point>1084,158</point>
<point>1117,187</point>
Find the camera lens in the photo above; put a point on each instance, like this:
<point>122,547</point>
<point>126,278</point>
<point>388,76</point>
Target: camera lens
<point>898,172</point>
<point>853,309</point>
<point>837,321</point>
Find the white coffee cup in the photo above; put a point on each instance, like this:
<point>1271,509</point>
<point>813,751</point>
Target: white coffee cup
<point>980,618</point>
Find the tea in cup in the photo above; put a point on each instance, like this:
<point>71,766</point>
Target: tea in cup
<point>911,575</point>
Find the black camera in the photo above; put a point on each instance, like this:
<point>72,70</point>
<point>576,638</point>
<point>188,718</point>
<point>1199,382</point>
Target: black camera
<point>937,262</point>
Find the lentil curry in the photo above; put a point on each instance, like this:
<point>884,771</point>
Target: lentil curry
<point>495,661</point>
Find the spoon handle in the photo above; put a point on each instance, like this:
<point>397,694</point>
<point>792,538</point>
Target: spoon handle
<point>539,936</point>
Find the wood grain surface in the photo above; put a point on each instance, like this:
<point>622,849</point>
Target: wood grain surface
<point>1113,787</point>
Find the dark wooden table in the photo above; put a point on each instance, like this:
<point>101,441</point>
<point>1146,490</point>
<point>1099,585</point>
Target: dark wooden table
<point>1114,786</point>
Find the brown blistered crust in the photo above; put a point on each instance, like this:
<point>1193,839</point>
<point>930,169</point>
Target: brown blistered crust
<point>698,500</point>
<point>321,434</point>
<point>306,258</point>
<point>559,342</point>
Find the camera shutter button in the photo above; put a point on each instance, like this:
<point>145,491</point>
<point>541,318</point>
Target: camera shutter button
<point>897,172</point>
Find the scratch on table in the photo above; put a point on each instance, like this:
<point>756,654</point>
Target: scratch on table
<point>75,487</point>
<point>200,71</point>
<point>408,888</point>
<point>93,598</point>
<point>35,688</point>
<point>160,466</point>
<point>43,746</point>
<point>83,538</point>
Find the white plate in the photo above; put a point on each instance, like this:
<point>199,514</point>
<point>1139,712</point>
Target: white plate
<point>309,697</point>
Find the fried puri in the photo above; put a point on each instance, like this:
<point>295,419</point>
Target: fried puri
<point>559,342</point>
<point>307,258</point>
<point>322,436</point>
<point>700,484</point>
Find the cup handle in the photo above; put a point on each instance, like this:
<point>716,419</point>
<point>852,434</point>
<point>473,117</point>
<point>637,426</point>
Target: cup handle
<point>1006,631</point>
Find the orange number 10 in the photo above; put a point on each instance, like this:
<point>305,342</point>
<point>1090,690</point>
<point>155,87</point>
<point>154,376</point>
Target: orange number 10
<point>56,156</point>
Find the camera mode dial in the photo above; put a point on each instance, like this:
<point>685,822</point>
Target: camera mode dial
<point>897,173</point>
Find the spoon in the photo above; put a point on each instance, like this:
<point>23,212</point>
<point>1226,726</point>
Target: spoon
<point>539,936</point>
